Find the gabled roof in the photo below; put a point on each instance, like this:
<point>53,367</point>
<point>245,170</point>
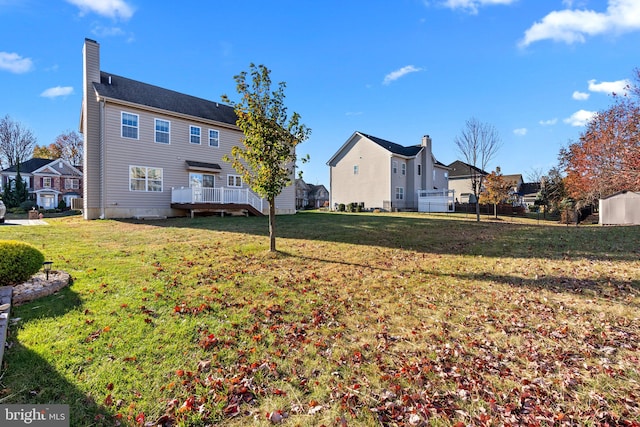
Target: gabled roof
<point>394,148</point>
<point>30,165</point>
<point>46,167</point>
<point>513,179</point>
<point>58,167</point>
<point>120,88</point>
<point>459,169</point>
<point>529,188</point>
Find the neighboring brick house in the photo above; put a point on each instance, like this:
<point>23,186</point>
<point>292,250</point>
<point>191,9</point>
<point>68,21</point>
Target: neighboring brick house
<point>309,196</point>
<point>49,181</point>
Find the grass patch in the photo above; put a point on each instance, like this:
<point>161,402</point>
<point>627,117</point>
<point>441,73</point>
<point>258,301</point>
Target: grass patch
<point>363,319</point>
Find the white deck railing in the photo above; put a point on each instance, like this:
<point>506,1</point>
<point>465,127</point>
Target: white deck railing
<point>216,195</point>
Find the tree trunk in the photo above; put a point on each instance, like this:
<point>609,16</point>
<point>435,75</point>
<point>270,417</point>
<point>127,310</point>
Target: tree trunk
<point>477,210</point>
<point>495,210</point>
<point>272,224</point>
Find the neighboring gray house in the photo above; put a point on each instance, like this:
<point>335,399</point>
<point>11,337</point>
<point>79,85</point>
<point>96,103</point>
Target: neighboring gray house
<point>515,182</point>
<point>383,174</point>
<point>153,152</point>
<point>622,208</point>
<point>529,192</point>
<point>310,196</point>
<point>461,175</point>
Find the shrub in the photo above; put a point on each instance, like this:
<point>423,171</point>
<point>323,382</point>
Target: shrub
<point>18,262</point>
<point>27,205</point>
<point>341,207</point>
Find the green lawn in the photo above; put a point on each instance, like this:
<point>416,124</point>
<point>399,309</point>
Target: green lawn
<point>360,319</point>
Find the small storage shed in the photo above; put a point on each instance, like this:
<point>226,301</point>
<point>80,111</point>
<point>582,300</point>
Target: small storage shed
<point>622,208</point>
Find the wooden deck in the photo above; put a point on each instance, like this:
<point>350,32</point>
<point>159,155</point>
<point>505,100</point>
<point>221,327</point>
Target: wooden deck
<point>222,208</point>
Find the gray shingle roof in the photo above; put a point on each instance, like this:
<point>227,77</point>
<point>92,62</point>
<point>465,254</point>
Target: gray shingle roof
<point>30,165</point>
<point>459,169</point>
<point>124,89</point>
<point>393,147</point>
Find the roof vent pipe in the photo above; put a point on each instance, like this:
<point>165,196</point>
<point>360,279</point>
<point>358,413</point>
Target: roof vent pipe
<point>109,79</point>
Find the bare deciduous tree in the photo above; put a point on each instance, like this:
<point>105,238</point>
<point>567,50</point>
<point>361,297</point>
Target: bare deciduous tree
<point>16,142</point>
<point>478,143</point>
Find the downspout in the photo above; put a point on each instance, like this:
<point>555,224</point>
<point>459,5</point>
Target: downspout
<point>102,161</point>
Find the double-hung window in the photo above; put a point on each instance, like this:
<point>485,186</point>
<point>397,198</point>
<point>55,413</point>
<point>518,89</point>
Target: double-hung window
<point>194,134</point>
<point>162,131</point>
<point>356,169</point>
<point>403,168</point>
<point>46,182</point>
<point>143,178</point>
<point>214,138</point>
<point>394,166</point>
<point>234,181</point>
<point>399,193</point>
<point>129,125</point>
<point>71,184</point>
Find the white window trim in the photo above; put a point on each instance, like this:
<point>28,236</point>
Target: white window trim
<point>191,135</point>
<point>403,168</point>
<point>146,178</point>
<point>394,166</point>
<point>136,127</point>
<point>44,182</point>
<point>399,193</point>
<point>156,131</point>
<point>218,139</point>
<point>71,183</point>
<point>236,178</point>
<point>356,169</point>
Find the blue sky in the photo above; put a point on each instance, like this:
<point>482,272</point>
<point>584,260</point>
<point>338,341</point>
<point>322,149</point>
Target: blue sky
<point>396,69</point>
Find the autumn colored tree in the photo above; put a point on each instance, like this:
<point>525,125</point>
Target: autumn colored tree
<point>496,190</point>
<point>267,158</point>
<point>606,157</point>
<point>68,146</point>
<point>478,143</point>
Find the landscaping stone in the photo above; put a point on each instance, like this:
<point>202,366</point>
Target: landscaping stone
<point>38,286</point>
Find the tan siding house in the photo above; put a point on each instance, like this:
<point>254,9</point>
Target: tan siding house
<point>382,174</point>
<point>149,150</point>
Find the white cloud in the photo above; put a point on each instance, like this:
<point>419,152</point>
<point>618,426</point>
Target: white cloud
<point>54,92</point>
<point>549,122</point>
<point>395,75</point>
<point>580,118</point>
<point>15,63</point>
<point>471,6</point>
<point>580,96</point>
<point>109,8</point>
<point>571,26</point>
<point>101,31</point>
<point>619,86</point>
<point>520,131</point>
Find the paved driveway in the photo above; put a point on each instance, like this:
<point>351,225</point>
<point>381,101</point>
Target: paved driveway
<point>23,222</point>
